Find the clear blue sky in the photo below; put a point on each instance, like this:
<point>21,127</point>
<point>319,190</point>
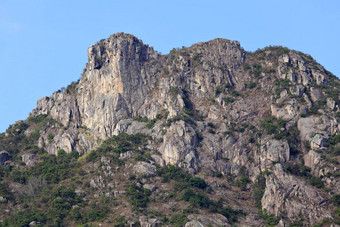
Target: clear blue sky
<point>44,43</point>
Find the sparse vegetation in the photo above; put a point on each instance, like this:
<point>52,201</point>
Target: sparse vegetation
<point>251,85</point>
<point>218,90</point>
<point>228,99</point>
<point>258,190</point>
<point>269,219</point>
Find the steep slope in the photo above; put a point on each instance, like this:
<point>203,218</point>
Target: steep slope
<point>265,122</point>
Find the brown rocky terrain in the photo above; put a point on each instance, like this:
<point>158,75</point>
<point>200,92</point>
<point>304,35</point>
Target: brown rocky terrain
<point>260,128</point>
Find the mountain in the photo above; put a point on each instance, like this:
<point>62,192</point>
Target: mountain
<point>208,135</point>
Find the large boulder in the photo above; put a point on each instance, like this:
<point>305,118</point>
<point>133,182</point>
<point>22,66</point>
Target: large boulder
<point>144,169</point>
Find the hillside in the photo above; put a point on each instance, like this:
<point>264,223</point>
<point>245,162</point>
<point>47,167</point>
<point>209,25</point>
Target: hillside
<point>208,135</point>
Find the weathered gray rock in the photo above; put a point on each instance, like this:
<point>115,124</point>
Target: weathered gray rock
<point>318,141</point>
<point>152,222</point>
<point>297,90</point>
<point>283,96</point>
<point>208,220</point>
<point>144,169</point>
<point>315,94</point>
<point>273,151</point>
<point>97,182</point>
<point>29,159</point>
<point>150,187</point>
<point>179,145</point>
<point>285,193</point>
<point>289,111</point>
<point>312,125</point>
<point>330,103</point>
<point>194,224</point>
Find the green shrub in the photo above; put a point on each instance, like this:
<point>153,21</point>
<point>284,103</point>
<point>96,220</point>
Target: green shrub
<point>235,93</point>
<point>218,90</point>
<point>141,119</point>
<point>171,172</point>
<point>283,84</point>
<point>242,183</point>
<point>5,192</point>
<point>212,131</point>
<point>178,220</point>
<point>120,221</point>
<point>228,86</point>
<point>211,125</point>
<point>269,219</point>
<point>96,213</point>
<point>298,170</point>
<point>138,197</point>
<point>119,144</point>
<point>336,200</point>
<point>258,189</point>
<point>333,140</point>
<point>271,125</point>
<point>50,137</point>
<point>24,217</point>
<point>304,171</point>
<point>246,66</point>
<point>251,85</point>
<point>71,88</point>
<point>251,140</point>
<point>298,223</point>
<point>196,199</point>
<point>257,70</point>
<point>229,99</point>
<point>303,114</point>
<point>37,119</point>
<point>151,123</point>
<point>53,168</point>
<point>197,182</point>
<point>230,214</point>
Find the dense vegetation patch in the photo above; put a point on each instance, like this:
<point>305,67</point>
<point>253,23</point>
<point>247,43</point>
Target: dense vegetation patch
<point>193,191</point>
<point>138,197</point>
<point>120,144</point>
<point>304,171</point>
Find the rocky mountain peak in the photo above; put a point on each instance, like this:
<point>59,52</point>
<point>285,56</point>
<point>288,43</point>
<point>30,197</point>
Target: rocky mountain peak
<point>120,47</point>
<point>264,121</point>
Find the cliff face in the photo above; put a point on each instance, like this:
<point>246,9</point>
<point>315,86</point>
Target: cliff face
<point>208,108</point>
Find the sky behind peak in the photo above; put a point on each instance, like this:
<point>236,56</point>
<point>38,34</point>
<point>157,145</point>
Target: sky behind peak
<point>44,43</point>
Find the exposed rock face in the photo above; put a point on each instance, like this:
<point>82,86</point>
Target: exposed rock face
<point>203,107</point>
<point>312,125</point>
<point>29,159</point>
<point>200,220</point>
<point>179,145</point>
<point>273,151</point>
<point>284,191</point>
